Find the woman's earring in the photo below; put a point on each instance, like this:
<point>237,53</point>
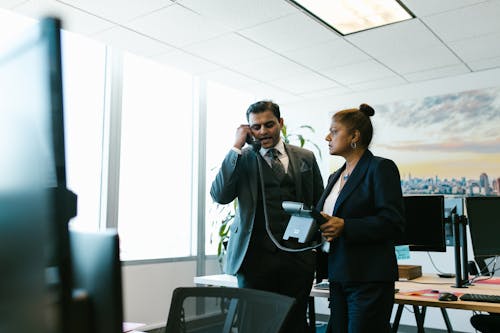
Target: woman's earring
<point>353,145</point>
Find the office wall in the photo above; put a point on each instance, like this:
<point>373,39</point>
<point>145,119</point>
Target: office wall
<point>317,112</point>
<point>148,287</point>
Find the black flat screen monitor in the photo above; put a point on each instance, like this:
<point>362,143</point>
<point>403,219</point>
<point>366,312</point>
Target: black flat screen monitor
<point>424,229</point>
<point>33,213</point>
<point>483,214</point>
<point>95,257</point>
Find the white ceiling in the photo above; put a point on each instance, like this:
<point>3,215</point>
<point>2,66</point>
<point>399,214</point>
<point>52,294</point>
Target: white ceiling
<point>272,48</point>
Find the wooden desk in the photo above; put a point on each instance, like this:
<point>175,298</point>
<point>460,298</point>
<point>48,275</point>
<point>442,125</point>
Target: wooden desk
<point>445,285</point>
<point>419,303</point>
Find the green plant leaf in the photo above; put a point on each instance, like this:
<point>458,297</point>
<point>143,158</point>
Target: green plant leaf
<point>283,131</point>
<point>301,140</point>
<point>308,127</point>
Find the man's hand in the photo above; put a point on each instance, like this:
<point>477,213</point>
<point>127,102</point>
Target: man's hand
<point>241,136</point>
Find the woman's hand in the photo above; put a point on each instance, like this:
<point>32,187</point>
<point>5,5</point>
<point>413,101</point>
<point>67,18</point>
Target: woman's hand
<point>332,228</point>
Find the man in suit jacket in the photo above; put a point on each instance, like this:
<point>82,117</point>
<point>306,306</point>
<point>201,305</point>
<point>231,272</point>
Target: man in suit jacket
<point>251,255</point>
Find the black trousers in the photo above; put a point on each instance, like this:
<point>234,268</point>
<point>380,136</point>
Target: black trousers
<point>283,273</point>
<point>361,307</point>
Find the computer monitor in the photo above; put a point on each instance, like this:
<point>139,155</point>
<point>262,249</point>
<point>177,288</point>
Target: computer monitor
<point>35,205</point>
<point>424,229</point>
<point>97,279</point>
<point>483,215</point>
<point>452,204</point>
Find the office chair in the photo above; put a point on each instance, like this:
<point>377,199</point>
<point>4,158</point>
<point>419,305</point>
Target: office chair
<point>226,310</point>
<point>486,323</point>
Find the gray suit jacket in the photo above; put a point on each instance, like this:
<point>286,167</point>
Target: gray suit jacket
<point>238,178</point>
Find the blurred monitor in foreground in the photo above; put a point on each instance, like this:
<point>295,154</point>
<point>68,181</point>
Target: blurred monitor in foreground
<point>35,205</point>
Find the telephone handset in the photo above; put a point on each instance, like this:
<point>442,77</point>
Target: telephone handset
<point>253,142</point>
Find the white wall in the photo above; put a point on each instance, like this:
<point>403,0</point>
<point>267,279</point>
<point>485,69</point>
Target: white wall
<point>147,288</point>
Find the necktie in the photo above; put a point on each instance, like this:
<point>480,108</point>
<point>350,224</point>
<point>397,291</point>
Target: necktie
<point>276,164</point>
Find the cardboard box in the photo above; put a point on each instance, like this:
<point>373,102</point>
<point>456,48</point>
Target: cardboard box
<point>409,272</point>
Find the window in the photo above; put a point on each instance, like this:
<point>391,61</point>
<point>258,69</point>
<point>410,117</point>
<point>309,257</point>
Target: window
<point>226,110</point>
<point>83,63</point>
<point>154,214</point>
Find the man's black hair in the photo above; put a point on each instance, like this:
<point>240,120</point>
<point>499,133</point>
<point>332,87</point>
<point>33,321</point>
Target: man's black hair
<point>262,106</point>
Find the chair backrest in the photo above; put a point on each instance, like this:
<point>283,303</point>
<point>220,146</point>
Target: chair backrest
<point>226,310</point>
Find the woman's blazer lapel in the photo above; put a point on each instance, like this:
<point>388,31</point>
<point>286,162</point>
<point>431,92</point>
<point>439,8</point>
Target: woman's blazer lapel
<point>354,179</point>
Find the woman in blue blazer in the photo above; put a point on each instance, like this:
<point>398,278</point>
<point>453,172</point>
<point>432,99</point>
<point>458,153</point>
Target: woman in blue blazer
<point>364,207</point>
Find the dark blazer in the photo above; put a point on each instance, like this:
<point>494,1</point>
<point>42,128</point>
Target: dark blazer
<point>371,205</point>
<point>238,178</point>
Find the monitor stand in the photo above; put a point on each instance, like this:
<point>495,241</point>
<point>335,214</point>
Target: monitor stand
<point>460,246</point>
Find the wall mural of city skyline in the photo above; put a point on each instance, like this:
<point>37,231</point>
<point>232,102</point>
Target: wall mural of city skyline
<point>447,144</point>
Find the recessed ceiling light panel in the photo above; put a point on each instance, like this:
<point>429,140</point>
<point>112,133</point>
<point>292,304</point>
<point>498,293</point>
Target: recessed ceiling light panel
<point>349,16</point>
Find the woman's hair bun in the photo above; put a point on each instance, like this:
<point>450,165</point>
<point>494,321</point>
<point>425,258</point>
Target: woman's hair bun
<point>367,110</point>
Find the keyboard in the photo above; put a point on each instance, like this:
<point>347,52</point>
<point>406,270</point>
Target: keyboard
<point>325,285</point>
<point>480,298</point>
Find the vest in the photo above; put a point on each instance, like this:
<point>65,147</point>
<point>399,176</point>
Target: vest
<point>276,192</point>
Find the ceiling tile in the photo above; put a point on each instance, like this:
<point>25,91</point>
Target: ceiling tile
<point>271,68</point>
<point>271,44</point>
<point>304,83</point>
<point>133,42</point>
<point>328,54</point>
<point>177,26</point>
<point>238,14</point>
<point>437,73</point>
<point>468,22</point>
<point>230,78</point>
<point>186,62</point>
<point>118,11</point>
<point>290,33</point>
<point>264,91</point>
<point>327,92</point>
<point>394,38</point>
<point>359,72</point>
<point>482,47</point>
<point>73,20</point>
<point>409,61</point>
<point>428,7</point>
<point>10,3</point>
<point>483,64</point>
<point>229,50</point>
<point>378,84</point>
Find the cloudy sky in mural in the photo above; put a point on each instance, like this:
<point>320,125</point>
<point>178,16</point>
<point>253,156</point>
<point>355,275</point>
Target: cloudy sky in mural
<point>454,135</point>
